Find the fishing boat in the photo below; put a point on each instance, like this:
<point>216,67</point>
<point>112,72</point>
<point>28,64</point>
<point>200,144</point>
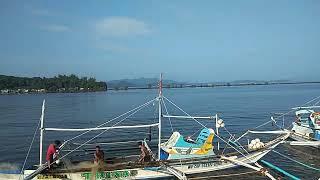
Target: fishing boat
<point>306,127</point>
<point>175,157</point>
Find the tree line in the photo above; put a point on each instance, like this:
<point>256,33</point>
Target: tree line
<point>60,83</point>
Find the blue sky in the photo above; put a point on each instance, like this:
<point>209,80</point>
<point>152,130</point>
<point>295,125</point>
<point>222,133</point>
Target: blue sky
<point>186,40</point>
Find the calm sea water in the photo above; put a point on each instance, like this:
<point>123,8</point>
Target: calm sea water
<point>240,107</point>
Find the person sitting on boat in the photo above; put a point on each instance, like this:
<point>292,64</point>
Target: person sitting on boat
<point>298,119</point>
<point>145,155</point>
<point>52,152</point>
<point>98,156</point>
<point>190,140</point>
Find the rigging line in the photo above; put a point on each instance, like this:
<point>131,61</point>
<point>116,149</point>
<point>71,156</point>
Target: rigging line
<point>206,127</point>
<point>165,107</point>
<point>301,105</point>
<point>232,146</point>
<point>198,130</point>
<point>311,100</point>
<point>97,136</point>
<point>225,147</point>
<point>317,103</point>
<point>265,124</point>
<point>294,109</point>
<point>155,114</point>
<point>107,143</point>
<point>233,137</point>
<point>139,107</point>
<point>184,112</point>
<point>272,120</point>
<point>34,135</point>
<point>305,165</point>
<point>277,118</point>
<point>242,136</point>
<point>240,144</point>
<point>103,132</point>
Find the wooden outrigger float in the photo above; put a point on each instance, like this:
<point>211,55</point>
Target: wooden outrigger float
<point>175,157</point>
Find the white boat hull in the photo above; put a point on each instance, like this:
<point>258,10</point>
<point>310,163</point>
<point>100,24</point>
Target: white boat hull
<point>205,166</point>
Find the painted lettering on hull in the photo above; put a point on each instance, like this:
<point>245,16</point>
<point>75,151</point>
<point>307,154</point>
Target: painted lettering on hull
<point>99,175</point>
<point>52,176</point>
<point>202,165</point>
<point>110,175</point>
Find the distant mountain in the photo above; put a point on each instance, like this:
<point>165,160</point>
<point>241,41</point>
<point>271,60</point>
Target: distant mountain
<point>257,81</point>
<point>140,82</point>
<point>246,81</point>
<point>123,84</point>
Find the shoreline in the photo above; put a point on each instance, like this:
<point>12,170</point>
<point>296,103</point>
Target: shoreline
<point>209,85</point>
<point>51,92</point>
<point>180,86</point>
<point>175,86</point>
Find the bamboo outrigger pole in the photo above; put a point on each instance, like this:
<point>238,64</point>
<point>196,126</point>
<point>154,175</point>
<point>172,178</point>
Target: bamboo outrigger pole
<point>217,131</point>
<point>160,113</point>
<point>41,132</point>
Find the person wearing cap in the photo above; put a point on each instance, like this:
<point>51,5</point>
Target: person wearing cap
<point>52,149</point>
<point>98,156</point>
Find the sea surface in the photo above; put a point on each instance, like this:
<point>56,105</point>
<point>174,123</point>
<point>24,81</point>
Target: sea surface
<point>241,108</point>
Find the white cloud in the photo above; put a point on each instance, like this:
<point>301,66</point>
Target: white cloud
<point>55,28</point>
<point>121,27</point>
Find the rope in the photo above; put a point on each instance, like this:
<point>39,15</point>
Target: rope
<point>165,107</point>
<point>272,120</point>
<point>198,131</point>
<point>317,103</point>
<point>184,112</point>
<point>25,160</point>
<point>225,147</point>
<point>215,133</point>
<point>206,127</point>
<point>232,137</point>
<point>105,130</point>
<point>305,165</point>
<point>143,105</point>
<point>225,175</point>
<point>107,143</point>
<point>294,109</point>
<point>242,136</point>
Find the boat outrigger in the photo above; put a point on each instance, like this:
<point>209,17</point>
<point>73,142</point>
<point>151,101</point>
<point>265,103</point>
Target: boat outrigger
<point>175,157</point>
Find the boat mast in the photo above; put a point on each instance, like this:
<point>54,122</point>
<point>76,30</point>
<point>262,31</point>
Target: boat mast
<point>41,131</point>
<point>217,131</point>
<point>160,114</point>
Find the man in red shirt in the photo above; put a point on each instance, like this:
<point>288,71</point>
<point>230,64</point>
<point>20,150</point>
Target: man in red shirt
<point>51,151</point>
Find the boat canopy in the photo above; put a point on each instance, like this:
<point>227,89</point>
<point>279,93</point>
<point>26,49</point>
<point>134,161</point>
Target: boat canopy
<point>304,111</point>
<point>179,147</point>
